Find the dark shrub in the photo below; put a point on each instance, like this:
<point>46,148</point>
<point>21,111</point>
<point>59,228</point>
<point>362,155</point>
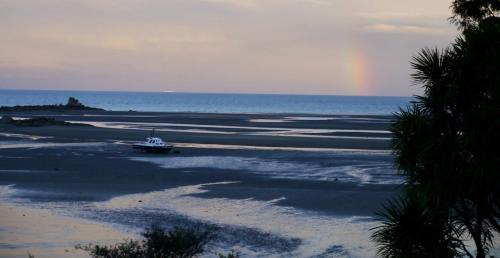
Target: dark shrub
<point>157,243</point>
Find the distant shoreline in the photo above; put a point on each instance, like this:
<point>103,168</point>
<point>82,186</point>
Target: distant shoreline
<point>71,104</point>
<point>213,103</point>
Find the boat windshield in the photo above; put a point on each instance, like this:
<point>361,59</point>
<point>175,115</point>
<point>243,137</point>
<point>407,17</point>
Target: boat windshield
<point>156,141</point>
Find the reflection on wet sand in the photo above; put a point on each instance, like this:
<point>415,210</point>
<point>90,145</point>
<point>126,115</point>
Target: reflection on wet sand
<point>249,147</point>
<point>248,130</point>
<point>47,235</point>
<point>318,232</point>
<point>34,145</point>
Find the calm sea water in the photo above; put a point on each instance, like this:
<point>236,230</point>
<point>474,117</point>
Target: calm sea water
<point>212,102</point>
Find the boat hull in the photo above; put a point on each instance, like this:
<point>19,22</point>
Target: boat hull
<point>153,149</point>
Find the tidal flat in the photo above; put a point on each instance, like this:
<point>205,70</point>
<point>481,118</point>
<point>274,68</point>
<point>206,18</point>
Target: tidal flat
<point>269,185</point>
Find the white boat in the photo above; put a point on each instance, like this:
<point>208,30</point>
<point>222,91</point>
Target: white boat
<point>153,144</point>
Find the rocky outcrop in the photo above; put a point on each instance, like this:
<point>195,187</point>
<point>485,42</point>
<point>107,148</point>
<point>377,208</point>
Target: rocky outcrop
<point>37,121</point>
<point>72,104</point>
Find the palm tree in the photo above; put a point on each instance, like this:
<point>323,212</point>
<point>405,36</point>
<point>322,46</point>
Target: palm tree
<point>469,13</point>
<point>413,230</point>
<point>446,142</point>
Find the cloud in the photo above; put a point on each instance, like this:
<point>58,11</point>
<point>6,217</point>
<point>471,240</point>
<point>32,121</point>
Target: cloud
<point>402,15</point>
<point>252,4</point>
<point>246,4</point>
<point>395,28</point>
<point>160,38</point>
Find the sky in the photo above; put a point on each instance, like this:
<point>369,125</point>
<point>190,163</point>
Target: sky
<point>335,47</point>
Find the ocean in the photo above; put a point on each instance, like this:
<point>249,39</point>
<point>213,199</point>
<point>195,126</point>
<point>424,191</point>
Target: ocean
<point>212,102</point>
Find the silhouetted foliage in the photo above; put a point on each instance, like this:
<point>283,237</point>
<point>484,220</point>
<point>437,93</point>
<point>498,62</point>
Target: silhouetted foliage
<point>410,229</point>
<point>126,249</point>
<point>469,13</point>
<point>157,243</point>
<point>179,243</point>
<point>447,143</point>
<point>232,254</point>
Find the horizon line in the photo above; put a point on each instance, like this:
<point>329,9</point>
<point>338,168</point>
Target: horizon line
<point>204,92</point>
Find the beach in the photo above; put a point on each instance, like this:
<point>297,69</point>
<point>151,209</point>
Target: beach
<point>269,184</point>
<point>230,128</point>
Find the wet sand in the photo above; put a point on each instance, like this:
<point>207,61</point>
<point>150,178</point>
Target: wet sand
<point>26,230</point>
<point>331,172</point>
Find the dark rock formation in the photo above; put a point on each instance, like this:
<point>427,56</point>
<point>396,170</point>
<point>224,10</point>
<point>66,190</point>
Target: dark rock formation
<point>6,120</point>
<point>72,104</point>
<point>37,121</point>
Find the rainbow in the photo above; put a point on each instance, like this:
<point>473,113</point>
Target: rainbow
<point>359,72</point>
